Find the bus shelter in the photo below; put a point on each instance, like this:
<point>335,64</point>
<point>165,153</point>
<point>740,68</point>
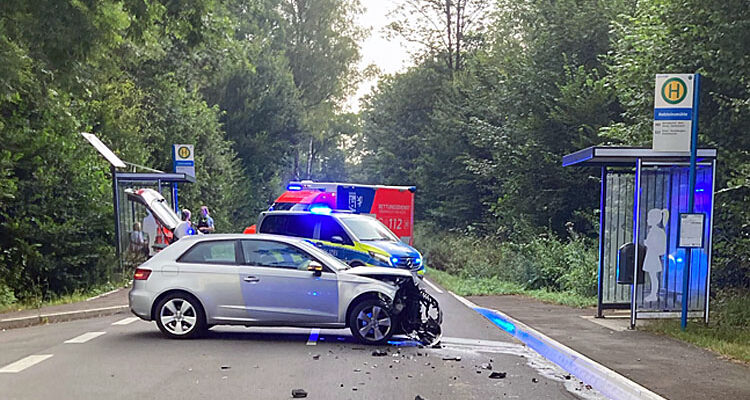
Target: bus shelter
<point>128,213</point>
<point>644,195</point>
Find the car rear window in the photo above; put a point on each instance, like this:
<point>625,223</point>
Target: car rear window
<point>289,225</point>
<point>214,252</point>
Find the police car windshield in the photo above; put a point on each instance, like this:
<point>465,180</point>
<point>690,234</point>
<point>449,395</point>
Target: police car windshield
<point>366,228</point>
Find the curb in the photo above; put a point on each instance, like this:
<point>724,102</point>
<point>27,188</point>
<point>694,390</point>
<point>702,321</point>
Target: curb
<point>607,381</point>
<point>22,322</point>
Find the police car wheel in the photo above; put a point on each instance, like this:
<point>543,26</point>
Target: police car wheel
<point>372,322</point>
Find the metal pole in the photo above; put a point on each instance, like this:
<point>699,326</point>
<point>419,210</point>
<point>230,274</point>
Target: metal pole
<point>602,210</point>
<point>636,234</point>
<point>116,205</point>
<point>691,199</point>
<point>710,233</point>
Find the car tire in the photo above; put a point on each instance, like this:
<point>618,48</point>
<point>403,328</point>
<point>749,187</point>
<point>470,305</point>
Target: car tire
<point>369,330</point>
<point>180,316</point>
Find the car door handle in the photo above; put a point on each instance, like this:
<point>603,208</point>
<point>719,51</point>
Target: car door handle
<point>251,279</point>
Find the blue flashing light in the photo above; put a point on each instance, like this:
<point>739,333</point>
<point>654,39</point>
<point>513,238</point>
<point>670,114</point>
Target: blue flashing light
<point>394,260</point>
<point>191,231</point>
<point>679,259</point>
<point>293,187</point>
<point>417,261</point>
<point>320,209</point>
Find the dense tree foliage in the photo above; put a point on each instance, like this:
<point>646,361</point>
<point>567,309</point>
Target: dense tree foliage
<point>225,75</point>
<point>484,142</point>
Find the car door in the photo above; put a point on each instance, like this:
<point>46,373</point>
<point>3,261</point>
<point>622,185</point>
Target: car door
<point>209,269</point>
<point>331,237</point>
<point>278,289</point>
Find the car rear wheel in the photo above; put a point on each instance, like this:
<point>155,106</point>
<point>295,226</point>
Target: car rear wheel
<point>372,322</point>
<point>180,316</point>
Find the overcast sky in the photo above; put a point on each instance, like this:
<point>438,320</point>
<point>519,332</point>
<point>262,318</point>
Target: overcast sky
<point>389,56</point>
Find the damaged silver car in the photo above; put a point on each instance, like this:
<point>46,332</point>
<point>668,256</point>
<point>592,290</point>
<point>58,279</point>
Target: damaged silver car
<point>270,280</point>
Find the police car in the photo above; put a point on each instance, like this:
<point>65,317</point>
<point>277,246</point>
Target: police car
<point>354,238</point>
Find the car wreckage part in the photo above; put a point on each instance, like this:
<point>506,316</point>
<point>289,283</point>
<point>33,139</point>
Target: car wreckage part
<point>420,315</point>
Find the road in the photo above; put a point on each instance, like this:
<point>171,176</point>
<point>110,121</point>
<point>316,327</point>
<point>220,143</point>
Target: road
<point>122,357</point>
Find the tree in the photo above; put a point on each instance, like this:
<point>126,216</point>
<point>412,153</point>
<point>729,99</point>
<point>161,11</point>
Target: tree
<point>444,28</point>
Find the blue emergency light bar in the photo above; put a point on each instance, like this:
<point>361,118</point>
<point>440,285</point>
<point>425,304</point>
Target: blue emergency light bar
<point>293,187</point>
<point>320,209</point>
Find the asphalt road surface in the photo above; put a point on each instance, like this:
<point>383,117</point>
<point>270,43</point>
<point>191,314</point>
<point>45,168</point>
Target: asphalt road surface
<point>122,357</point>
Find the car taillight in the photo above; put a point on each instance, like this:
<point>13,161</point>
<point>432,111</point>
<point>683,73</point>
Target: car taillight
<point>141,274</point>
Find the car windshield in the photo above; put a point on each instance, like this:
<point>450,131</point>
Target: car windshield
<point>367,228</point>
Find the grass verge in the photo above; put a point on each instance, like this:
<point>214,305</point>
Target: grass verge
<point>474,286</point>
<point>76,296</point>
<point>729,341</point>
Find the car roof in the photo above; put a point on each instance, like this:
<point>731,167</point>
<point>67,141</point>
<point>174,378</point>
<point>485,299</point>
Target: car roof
<point>334,213</point>
<point>237,236</point>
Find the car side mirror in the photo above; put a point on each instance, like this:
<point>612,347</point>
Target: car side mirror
<point>337,239</point>
<point>315,267</point>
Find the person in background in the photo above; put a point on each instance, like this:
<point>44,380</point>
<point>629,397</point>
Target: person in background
<point>205,222</point>
<point>138,241</point>
<point>184,228</point>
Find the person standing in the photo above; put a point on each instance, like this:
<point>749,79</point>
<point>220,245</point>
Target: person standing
<point>205,222</point>
<point>185,227</point>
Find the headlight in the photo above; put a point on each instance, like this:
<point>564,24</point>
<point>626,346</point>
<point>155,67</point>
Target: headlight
<point>381,257</point>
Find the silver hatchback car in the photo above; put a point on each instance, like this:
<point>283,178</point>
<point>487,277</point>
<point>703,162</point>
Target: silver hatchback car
<point>270,280</point>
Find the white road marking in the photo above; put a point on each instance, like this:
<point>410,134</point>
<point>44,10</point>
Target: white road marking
<point>24,363</point>
<point>85,337</point>
<point>313,340</point>
<point>465,302</point>
<point>437,289</point>
<point>126,321</point>
<point>607,381</point>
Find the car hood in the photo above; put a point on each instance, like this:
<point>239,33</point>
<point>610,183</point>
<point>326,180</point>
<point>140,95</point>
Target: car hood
<point>397,249</point>
<point>377,271</point>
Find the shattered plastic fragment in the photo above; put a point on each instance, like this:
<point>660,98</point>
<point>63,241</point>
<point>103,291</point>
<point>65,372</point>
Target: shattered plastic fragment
<point>498,375</point>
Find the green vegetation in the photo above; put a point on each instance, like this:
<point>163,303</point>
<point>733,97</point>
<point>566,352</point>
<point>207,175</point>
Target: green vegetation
<point>231,76</point>
<point>9,305</point>
<point>497,94</point>
<point>727,333</point>
<point>472,286</point>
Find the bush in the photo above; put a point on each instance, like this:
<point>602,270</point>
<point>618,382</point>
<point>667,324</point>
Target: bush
<point>543,262</point>
<point>6,296</point>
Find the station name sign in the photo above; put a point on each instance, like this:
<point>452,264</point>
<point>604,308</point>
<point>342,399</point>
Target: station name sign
<point>673,112</point>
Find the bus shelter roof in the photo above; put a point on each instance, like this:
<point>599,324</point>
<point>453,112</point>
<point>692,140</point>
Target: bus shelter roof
<point>627,156</point>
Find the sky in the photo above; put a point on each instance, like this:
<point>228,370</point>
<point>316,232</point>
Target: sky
<point>389,56</point>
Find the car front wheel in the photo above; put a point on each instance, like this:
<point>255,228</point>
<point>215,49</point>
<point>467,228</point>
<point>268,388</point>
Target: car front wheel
<point>180,316</point>
<point>372,322</point>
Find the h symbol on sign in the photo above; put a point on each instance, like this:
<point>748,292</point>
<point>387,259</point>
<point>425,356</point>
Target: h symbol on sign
<point>674,90</point>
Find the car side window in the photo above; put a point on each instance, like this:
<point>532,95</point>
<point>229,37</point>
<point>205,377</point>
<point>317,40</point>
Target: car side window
<point>214,252</point>
<point>264,253</point>
<point>329,228</point>
<point>289,225</point>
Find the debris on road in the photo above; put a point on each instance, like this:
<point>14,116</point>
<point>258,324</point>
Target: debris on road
<point>379,353</point>
<point>298,393</point>
<point>534,380</point>
<point>225,367</point>
<point>452,358</point>
<point>498,375</point>
<point>486,366</point>
<point>316,356</point>
<point>418,397</point>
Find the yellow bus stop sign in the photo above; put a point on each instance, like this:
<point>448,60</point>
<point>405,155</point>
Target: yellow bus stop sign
<point>674,90</point>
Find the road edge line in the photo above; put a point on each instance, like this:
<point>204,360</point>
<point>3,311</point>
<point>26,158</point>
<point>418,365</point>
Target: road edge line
<point>23,322</point>
<point>607,381</point>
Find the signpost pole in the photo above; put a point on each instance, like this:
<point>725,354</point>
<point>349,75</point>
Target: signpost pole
<point>691,198</point>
